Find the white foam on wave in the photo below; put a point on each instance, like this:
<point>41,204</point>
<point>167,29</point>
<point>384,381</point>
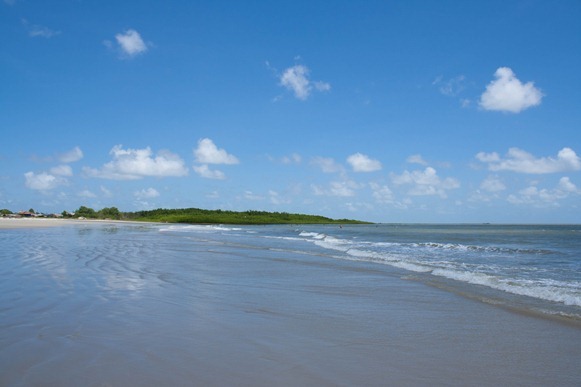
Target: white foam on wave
<point>198,228</point>
<point>549,290</point>
<point>314,235</point>
<point>383,258</point>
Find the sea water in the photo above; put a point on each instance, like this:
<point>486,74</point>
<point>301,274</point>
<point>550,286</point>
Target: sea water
<point>130,304</point>
<point>541,263</point>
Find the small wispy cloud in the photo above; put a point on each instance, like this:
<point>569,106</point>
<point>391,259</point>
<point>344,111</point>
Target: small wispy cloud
<point>71,156</point>
<point>450,87</point>
<point>86,194</point>
<point>336,188</point>
<point>326,164</point>
<point>35,30</point>
<point>416,159</point>
<point>296,79</point>
<point>148,193</point>
<point>62,170</point>
<point>294,158</point>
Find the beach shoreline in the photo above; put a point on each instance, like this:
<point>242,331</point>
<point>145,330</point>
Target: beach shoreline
<point>109,304</point>
<point>15,223</point>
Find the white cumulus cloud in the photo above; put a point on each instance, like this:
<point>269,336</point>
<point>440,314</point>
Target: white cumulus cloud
<point>566,185</point>
<point>492,184</point>
<point>130,43</point>
<point>62,170</point>
<point>507,93</point>
<point>208,153</point>
<point>132,164</point>
<point>296,79</point>
<point>382,193</point>
<point>42,181</point>
<point>71,156</point>
<point>362,163</point>
<point>518,160</point>
<point>543,197</point>
<point>205,172</point>
<point>426,182</point>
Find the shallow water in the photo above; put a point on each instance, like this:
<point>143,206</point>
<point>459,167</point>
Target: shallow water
<point>159,305</point>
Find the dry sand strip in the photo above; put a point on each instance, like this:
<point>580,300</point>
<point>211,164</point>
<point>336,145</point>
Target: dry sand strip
<point>8,223</point>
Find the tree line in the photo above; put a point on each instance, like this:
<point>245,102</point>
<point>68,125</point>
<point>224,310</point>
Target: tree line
<point>201,216</point>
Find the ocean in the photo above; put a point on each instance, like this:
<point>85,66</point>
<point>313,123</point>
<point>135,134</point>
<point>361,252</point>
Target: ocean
<point>405,304</point>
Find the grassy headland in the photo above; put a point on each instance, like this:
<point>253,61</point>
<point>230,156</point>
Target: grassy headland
<point>189,215</point>
<point>200,216</point>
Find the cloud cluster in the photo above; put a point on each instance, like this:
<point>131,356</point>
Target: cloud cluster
<point>508,94</point>
<point>426,182</point>
<point>207,173</point>
<point>42,181</point>
<point>296,79</point>
<point>382,193</point>
<point>208,153</point>
<point>543,197</point>
<point>57,175</point>
<point>518,160</point>
<point>337,188</point>
<point>492,184</point>
<point>362,163</point>
<point>132,164</point>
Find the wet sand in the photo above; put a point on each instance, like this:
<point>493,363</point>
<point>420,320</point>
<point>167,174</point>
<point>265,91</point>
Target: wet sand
<point>12,223</point>
<point>108,305</point>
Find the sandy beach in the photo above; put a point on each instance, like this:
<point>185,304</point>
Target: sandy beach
<point>111,303</point>
<point>11,223</point>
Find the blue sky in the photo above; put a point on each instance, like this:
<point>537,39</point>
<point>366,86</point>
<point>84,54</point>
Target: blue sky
<point>388,111</point>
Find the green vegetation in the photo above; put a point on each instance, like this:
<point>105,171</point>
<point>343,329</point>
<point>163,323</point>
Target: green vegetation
<point>199,216</point>
<point>109,213</point>
<point>196,215</point>
<point>89,213</point>
<point>85,212</point>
